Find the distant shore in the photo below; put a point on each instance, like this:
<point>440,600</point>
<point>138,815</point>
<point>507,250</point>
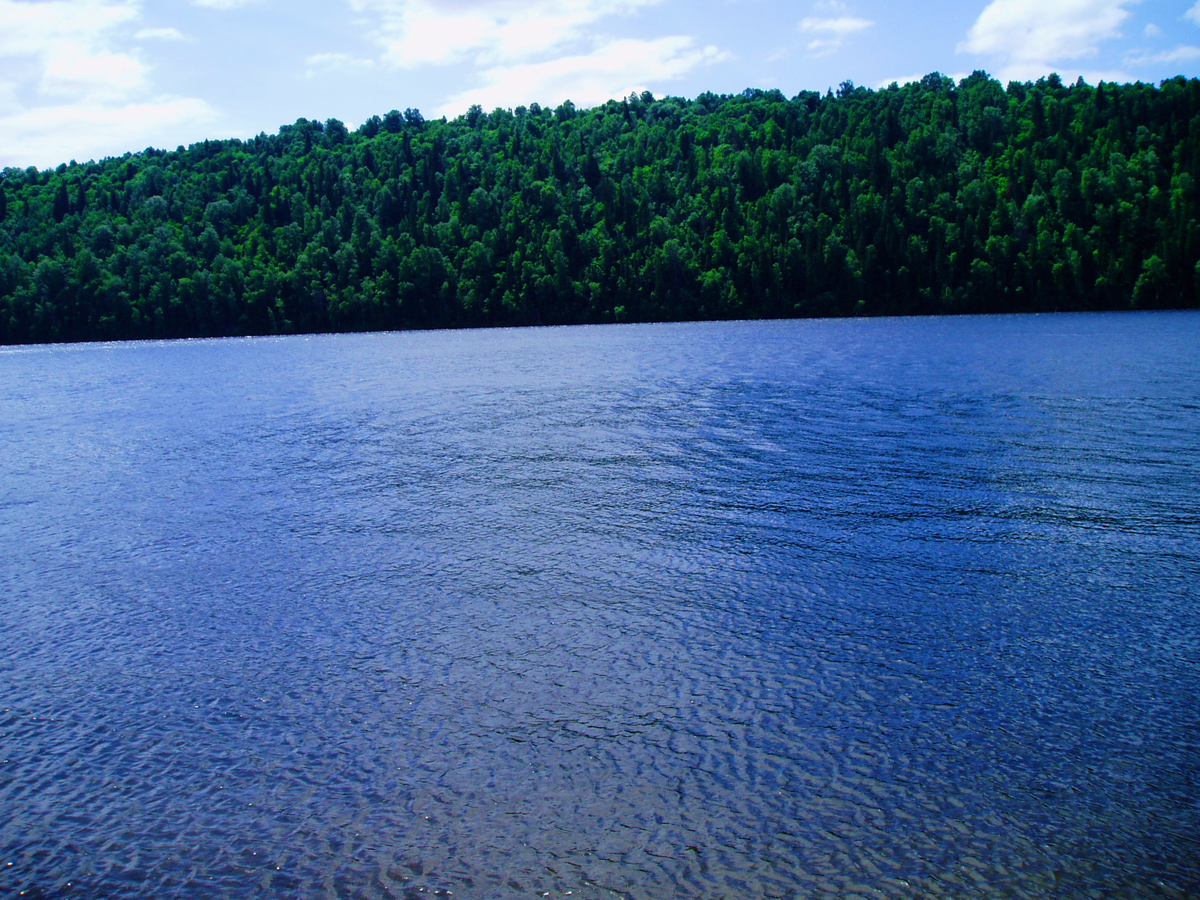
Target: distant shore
<point>932,198</point>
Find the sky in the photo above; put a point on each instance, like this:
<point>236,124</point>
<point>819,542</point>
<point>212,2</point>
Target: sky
<point>86,79</point>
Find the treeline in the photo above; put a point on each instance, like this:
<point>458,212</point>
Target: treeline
<point>935,197</point>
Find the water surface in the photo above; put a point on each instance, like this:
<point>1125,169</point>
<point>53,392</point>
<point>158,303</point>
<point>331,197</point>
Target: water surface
<point>891,608</point>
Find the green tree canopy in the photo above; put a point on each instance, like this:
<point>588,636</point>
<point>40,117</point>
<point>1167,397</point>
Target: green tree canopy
<point>934,197</point>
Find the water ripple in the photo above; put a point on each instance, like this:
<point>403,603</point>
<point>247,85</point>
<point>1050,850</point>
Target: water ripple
<point>898,609</point>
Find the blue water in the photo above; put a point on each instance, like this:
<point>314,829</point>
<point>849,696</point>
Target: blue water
<point>891,608</point>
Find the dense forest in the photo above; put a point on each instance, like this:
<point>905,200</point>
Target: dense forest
<point>935,197</point>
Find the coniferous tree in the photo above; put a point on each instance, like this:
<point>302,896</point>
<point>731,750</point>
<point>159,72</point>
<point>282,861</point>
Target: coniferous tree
<point>934,197</point>
<point>62,203</point>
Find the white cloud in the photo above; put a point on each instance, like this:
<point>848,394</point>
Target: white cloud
<point>336,60</point>
<point>52,134</point>
<point>611,71</point>
<point>73,70</point>
<point>333,62</point>
<point>841,26</point>
<point>159,34</point>
<point>29,27</point>
<point>223,4</point>
<point>423,32</point>
<point>1152,31</point>
<point>1194,13</point>
<point>8,98</point>
<point>525,51</point>
<point>1032,37</point>
<point>74,87</point>
<point>68,42</point>
<point>831,32</point>
<point>1179,54</point>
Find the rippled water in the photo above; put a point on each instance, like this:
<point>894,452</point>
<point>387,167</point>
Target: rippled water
<point>890,608</point>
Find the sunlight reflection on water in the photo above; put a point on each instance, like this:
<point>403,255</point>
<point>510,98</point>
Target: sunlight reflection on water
<point>898,608</point>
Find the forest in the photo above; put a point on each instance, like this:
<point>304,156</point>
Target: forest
<point>938,197</point>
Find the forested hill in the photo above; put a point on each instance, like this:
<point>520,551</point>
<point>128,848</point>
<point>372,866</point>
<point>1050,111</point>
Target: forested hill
<point>931,198</point>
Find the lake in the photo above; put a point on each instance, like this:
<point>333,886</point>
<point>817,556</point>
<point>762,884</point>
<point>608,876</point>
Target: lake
<point>896,608</point>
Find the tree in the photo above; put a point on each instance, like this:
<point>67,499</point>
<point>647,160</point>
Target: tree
<point>925,198</point>
<point>62,202</point>
<point>335,132</point>
<point>1150,282</point>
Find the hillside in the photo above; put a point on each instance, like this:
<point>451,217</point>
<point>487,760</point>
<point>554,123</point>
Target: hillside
<point>928,198</point>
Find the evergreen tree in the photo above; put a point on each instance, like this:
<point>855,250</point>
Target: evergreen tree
<point>934,197</point>
<point>62,203</point>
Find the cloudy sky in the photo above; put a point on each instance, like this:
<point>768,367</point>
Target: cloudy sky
<point>83,79</point>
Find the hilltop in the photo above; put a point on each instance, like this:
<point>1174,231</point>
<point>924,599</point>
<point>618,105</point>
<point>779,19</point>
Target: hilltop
<point>934,197</point>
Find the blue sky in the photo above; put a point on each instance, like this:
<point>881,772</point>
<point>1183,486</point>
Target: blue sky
<point>83,79</point>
